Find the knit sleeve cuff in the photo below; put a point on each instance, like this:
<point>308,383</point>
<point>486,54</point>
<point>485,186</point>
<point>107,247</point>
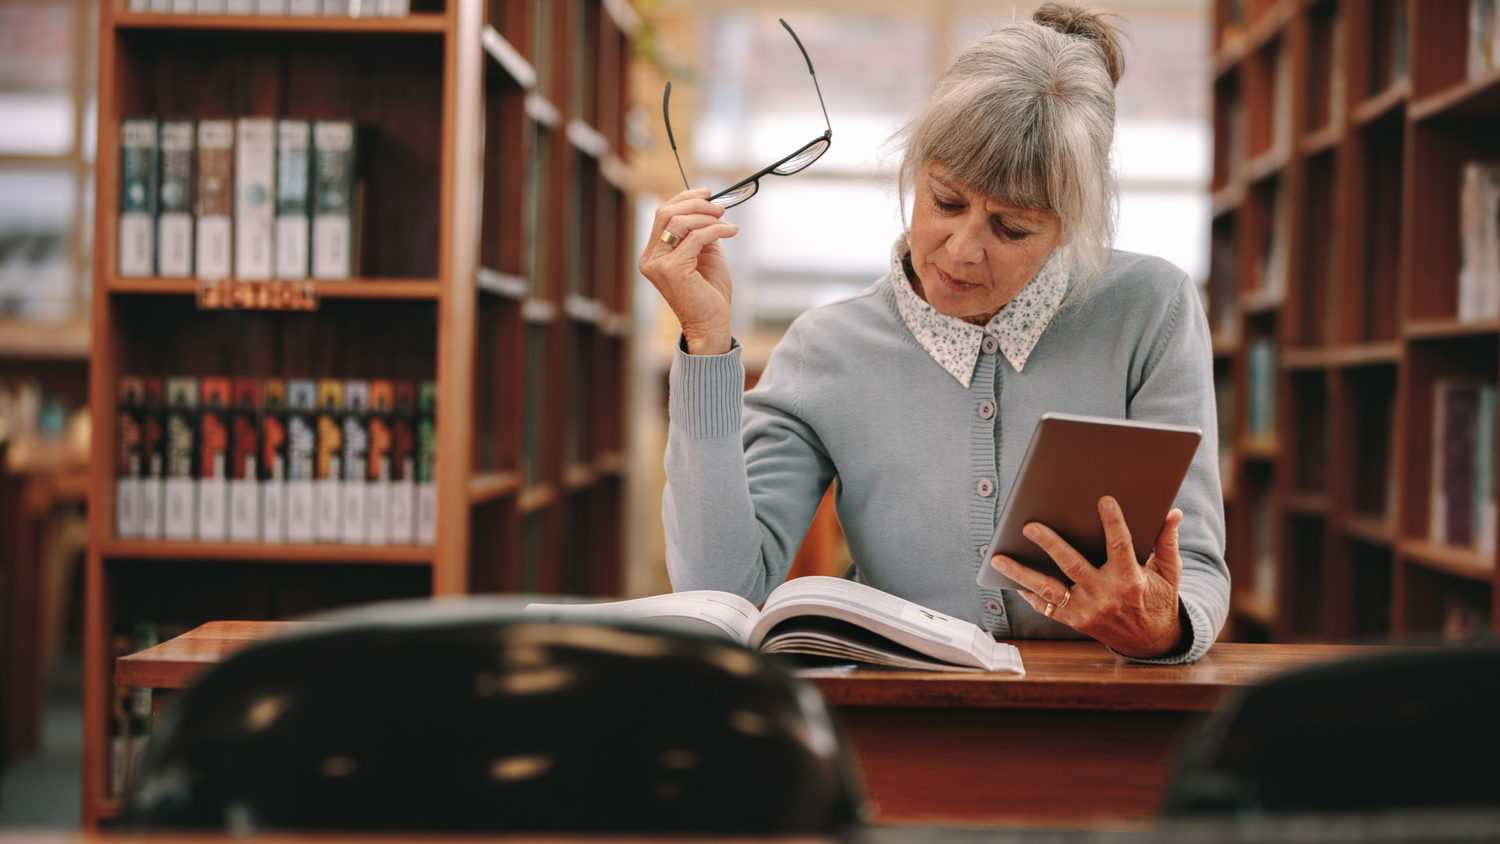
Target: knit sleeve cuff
<point>705,392</point>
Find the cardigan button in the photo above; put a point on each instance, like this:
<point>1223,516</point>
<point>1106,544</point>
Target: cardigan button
<point>995,606</point>
<point>990,345</point>
<point>986,487</point>
<point>986,409</point>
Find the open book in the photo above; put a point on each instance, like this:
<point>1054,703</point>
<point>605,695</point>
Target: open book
<point>824,617</point>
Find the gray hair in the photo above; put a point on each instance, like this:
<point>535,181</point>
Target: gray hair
<point>1027,114</point>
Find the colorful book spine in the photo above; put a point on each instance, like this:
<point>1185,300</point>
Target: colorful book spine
<point>174,223</point>
<point>1479,239</point>
<point>128,457</point>
<point>403,464</point>
<point>1261,390</point>
<point>215,200</point>
<point>333,199</point>
<point>301,464</point>
<point>293,168</point>
<point>180,519</point>
<point>153,452</point>
<point>356,436</point>
<point>427,463</point>
<point>214,399</point>
<point>329,469</point>
<point>273,463</point>
<point>378,462</point>
<point>244,462</point>
<point>254,200</point>
<point>138,153</point>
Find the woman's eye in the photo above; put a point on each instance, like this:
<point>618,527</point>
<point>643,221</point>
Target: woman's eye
<point>945,205</point>
<point>1010,233</point>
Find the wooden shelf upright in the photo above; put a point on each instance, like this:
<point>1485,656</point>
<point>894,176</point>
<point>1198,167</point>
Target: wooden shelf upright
<point>493,256</point>
<point>1341,132</point>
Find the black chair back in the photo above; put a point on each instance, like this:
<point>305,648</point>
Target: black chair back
<point>1396,730</point>
<point>499,725</point>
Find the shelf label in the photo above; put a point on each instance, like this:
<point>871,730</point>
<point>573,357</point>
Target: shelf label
<point>258,295</point>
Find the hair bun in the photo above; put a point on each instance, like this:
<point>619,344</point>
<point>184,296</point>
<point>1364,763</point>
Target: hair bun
<point>1086,23</point>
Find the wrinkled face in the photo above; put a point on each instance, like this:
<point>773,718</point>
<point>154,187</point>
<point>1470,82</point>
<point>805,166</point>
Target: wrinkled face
<point>973,252</point>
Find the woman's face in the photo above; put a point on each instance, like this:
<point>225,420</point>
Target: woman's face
<point>973,252</point>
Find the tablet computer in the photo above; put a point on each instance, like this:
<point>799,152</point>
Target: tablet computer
<point>1071,463</point>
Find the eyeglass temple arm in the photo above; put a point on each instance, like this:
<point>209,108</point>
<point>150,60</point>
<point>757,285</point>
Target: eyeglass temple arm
<point>810,72</point>
<point>666,97</point>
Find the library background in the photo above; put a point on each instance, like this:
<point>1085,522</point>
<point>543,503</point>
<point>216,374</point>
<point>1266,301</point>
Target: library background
<point>308,303</point>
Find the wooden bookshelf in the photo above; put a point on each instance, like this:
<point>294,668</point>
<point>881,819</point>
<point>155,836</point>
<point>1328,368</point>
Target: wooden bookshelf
<point>1365,320</point>
<point>493,258</point>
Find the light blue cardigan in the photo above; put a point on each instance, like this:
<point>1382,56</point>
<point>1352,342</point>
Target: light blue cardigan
<point>849,392</point>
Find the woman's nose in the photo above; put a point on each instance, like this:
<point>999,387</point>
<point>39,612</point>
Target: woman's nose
<point>966,244</point>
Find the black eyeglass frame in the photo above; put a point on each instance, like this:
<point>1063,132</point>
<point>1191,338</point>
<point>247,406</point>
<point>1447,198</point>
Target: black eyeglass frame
<point>826,139</point>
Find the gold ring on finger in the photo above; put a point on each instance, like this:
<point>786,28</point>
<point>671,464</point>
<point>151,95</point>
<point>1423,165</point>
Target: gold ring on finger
<point>1067,596</point>
<point>671,240</point>
<point>1051,608</point>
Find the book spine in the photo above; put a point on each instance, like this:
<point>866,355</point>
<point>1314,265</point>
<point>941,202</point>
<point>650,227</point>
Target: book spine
<point>153,444</point>
<point>356,447</point>
<point>161,6</point>
<point>273,460</point>
<point>330,474</point>
<point>240,7</point>
<point>213,463</point>
<point>255,208</point>
<point>304,8</point>
<point>244,475</point>
<point>1457,415</point>
<point>403,493</point>
<point>293,163</point>
<point>128,469</point>
<point>378,479</point>
<point>211,7</point>
<point>214,200</point>
<point>180,7</point>
<point>138,154</point>
<point>333,192</point>
<point>1484,471</point>
<point>137,6</point>
<point>427,468</point>
<point>174,226</point>
<point>301,502</point>
<point>395,8</point>
<point>336,8</point>
<point>181,510</point>
<point>271,7</point>
<point>364,8</point>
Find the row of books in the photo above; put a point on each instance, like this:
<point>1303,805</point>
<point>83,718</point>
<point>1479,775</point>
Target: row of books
<point>131,713</point>
<point>1479,236</point>
<point>1463,464</point>
<point>1260,391</point>
<point>273,460</point>
<point>255,198</point>
<point>296,8</point>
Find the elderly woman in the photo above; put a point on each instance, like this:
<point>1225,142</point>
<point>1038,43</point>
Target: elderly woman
<point>1004,301</point>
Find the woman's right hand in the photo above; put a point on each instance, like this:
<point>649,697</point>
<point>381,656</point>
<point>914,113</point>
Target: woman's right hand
<point>693,275</point>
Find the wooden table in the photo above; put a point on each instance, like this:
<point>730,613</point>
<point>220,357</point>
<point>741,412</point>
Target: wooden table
<point>1085,738</point>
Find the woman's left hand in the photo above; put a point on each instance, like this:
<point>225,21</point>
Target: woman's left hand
<point>1127,606</point>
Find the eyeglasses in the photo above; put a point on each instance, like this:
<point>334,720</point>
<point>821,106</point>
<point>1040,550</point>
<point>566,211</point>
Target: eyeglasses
<point>794,163</point>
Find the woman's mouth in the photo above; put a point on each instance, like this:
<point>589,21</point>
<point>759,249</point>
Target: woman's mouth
<point>954,284</point>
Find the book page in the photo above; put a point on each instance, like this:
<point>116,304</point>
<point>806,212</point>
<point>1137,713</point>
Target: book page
<point>722,612</point>
<point>935,634</point>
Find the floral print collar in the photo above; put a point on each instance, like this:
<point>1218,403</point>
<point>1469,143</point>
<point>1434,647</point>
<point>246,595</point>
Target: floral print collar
<point>955,344</point>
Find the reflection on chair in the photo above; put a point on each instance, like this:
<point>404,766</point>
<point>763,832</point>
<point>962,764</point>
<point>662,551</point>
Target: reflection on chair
<point>1415,728</point>
<point>510,724</point>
